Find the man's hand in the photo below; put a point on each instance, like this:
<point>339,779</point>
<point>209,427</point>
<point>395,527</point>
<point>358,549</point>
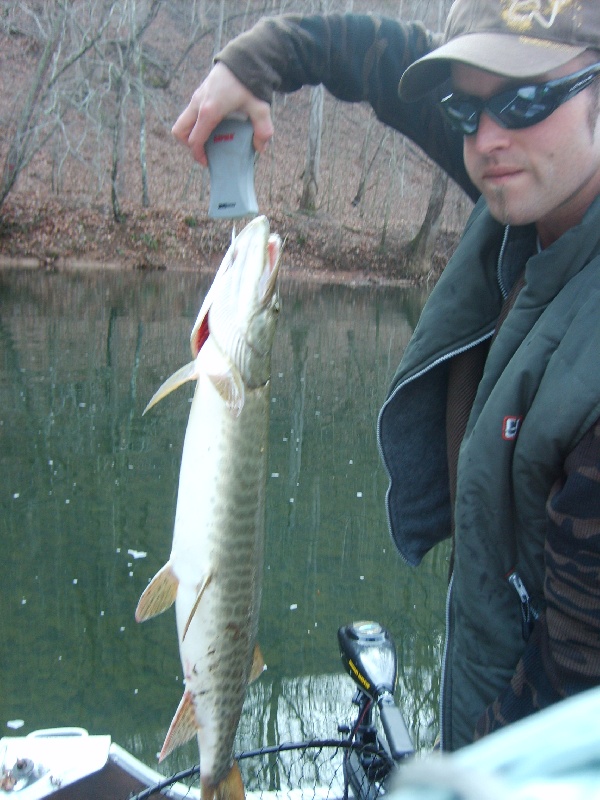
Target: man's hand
<point>218,96</point>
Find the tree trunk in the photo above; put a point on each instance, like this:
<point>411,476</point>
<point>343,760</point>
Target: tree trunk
<point>142,106</point>
<point>308,201</point>
<point>18,155</point>
<point>119,144</point>
<point>420,249</point>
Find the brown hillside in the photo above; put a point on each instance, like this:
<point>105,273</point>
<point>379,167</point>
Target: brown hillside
<point>59,212</point>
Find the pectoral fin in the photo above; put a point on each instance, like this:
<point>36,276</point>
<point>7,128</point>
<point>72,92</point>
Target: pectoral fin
<point>231,388</point>
<point>189,372</point>
<point>201,589</point>
<point>258,665</point>
<point>224,377</point>
<point>159,595</point>
<point>183,726</point>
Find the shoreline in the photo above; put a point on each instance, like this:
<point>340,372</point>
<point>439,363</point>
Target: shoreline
<point>303,274</point>
<point>51,236</point>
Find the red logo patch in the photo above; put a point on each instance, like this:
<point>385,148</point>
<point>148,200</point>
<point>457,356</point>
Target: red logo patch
<point>510,428</point>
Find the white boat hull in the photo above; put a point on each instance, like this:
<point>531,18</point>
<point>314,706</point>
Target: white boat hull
<point>69,764</point>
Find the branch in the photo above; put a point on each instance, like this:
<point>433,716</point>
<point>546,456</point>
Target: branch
<point>87,45</point>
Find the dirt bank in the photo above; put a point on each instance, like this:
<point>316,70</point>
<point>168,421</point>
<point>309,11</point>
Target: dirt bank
<point>50,235</point>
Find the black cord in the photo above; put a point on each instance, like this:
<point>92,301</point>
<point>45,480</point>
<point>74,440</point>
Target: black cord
<point>261,751</point>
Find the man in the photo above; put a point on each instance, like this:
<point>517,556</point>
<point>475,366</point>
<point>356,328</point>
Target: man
<point>491,429</point>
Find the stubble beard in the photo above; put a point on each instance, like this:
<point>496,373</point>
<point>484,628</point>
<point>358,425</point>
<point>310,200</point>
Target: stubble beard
<point>498,205</point>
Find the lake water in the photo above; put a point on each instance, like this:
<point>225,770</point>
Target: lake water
<point>88,497</point>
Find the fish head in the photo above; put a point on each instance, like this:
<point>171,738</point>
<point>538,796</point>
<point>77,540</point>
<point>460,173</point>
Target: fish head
<point>241,308</point>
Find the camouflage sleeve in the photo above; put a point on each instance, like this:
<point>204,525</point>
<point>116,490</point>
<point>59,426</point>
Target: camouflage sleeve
<point>358,58</point>
<point>562,656</point>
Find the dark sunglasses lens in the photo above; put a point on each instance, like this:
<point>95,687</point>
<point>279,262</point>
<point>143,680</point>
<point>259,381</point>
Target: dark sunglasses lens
<point>522,107</point>
<point>519,107</point>
<point>461,113</point>
<point>516,108</point>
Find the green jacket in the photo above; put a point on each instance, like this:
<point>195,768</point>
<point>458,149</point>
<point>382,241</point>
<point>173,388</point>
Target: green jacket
<point>540,393</point>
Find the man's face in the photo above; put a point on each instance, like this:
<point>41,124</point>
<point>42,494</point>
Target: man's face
<point>548,173</point>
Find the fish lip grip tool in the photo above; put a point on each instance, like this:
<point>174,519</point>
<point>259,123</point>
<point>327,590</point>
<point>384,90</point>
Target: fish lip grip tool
<point>231,159</point>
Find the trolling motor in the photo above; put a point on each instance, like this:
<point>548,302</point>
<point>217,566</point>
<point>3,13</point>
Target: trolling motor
<point>369,656</point>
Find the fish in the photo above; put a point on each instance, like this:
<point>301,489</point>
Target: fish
<point>214,571</point>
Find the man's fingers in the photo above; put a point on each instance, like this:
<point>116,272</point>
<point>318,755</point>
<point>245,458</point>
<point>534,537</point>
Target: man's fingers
<point>263,126</point>
<point>218,96</point>
<point>195,123</point>
<point>208,117</point>
<point>184,124</point>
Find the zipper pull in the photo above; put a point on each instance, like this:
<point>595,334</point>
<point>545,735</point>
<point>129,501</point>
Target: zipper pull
<point>529,614</point>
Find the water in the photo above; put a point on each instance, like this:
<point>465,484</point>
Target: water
<point>88,495</point>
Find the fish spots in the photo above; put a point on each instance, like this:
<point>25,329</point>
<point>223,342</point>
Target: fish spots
<point>234,630</point>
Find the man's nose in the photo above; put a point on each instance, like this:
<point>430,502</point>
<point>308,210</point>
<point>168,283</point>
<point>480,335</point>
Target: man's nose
<point>490,135</point>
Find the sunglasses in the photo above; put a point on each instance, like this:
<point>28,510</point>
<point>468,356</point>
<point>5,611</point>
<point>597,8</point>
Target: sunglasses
<point>518,107</point>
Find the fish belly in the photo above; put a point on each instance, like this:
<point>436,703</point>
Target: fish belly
<point>218,545</point>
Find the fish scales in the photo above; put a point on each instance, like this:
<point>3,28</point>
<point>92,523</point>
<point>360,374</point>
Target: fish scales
<point>227,617</point>
<point>214,573</point>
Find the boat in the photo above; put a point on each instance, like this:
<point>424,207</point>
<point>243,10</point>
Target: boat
<point>70,764</point>
<point>553,753</point>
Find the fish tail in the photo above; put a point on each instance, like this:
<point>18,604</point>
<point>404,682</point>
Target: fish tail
<point>230,788</point>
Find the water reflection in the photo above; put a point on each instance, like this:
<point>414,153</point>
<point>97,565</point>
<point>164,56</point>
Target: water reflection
<point>89,490</point>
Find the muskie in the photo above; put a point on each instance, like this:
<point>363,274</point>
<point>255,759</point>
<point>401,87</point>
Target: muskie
<point>214,572</point>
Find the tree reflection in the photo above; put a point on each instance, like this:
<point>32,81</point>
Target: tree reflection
<point>86,479</point>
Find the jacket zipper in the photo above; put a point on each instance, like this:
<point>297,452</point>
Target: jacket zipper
<point>401,385</point>
<point>529,613</point>
<point>443,358</point>
<point>499,277</point>
<point>445,663</point>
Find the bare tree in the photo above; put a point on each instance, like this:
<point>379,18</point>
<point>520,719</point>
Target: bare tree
<point>43,109</point>
<point>312,166</point>
<point>420,249</point>
<point>366,162</point>
<point>141,91</point>
<point>95,100</point>
<point>127,68</point>
<point>310,182</point>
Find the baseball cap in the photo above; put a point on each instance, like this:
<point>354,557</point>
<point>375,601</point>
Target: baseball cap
<point>508,37</point>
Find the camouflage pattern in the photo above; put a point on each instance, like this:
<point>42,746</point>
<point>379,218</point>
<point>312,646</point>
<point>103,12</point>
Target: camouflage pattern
<point>562,656</point>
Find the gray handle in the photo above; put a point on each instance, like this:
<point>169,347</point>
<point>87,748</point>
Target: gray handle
<point>231,158</point>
